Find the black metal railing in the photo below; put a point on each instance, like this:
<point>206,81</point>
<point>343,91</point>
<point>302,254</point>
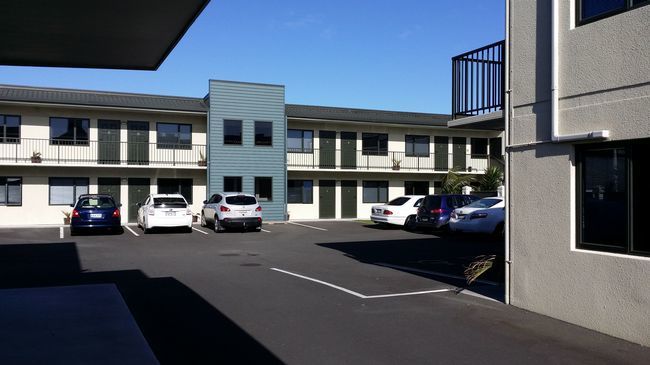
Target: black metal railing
<point>477,81</point>
<point>101,153</point>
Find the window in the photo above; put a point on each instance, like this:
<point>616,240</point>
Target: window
<point>216,198</point>
<point>416,187</point>
<point>264,188</point>
<point>417,146</point>
<point>375,144</point>
<point>232,184</point>
<point>66,190</point>
<point>263,133</point>
<point>611,199</point>
<point>300,191</point>
<point>9,128</point>
<point>398,201</point>
<point>11,190</point>
<point>375,191</point>
<point>592,10</point>
<point>479,147</point>
<point>172,135</point>
<point>176,186</point>
<point>300,141</point>
<point>232,132</point>
<point>69,131</point>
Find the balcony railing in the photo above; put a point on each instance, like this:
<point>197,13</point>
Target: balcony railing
<point>83,153</point>
<point>388,161</point>
<point>477,81</point>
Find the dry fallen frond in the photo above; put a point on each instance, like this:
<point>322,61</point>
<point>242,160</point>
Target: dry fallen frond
<point>478,267</point>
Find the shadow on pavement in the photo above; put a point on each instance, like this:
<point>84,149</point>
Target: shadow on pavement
<point>179,325</point>
<point>442,259</point>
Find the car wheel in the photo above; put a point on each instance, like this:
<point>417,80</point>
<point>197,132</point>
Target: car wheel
<point>409,224</point>
<point>217,226</point>
<point>203,222</point>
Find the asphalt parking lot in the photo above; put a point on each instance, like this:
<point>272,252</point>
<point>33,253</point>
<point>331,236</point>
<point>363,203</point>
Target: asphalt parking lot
<point>317,293</point>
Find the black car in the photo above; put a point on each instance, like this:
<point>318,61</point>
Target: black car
<point>94,212</point>
<point>435,210</point>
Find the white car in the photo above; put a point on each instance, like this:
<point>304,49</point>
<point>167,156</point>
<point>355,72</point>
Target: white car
<point>232,210</point>
<point>400,211</point>
<point>164,210</point>
<point>486,215</point>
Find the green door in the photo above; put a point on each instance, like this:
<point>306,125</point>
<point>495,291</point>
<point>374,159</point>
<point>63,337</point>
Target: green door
<point>138,192</point>
<point>108,133</point>
<point>348,150</point>
<point>327,199</point>
<point>138,143</point>
<point>460,153</point>
<point>348,199</point>
<point>441,153</point>
<point>110,186</point>
<point>327,147</point>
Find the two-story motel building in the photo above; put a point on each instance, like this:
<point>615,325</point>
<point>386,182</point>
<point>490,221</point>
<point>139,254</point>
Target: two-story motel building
<point>303,162</point>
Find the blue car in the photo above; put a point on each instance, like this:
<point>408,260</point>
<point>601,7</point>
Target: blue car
<point>94,212</point>
<point>435,210</point>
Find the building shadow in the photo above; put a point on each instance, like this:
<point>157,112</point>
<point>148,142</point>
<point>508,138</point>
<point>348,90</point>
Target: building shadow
<point>443,259</point>
<point>179,325</point>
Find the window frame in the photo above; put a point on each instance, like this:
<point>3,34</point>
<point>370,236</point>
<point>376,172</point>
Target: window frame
<point>74,141</point>
<point>74,188</point>
<point>173,146</point>
<point>259,179</point>
<point>365,151</point>
<point>303,149</point>
<point>241,132</point>
<point>378,187</point>
<point>255,133</point>
<point>3,129</point>
<point>6,191</point>
<point>413,153</point>
<point>303,190</point>
<point>629,5</point>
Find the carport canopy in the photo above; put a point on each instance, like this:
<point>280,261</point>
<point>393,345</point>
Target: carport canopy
<point>119,34</point>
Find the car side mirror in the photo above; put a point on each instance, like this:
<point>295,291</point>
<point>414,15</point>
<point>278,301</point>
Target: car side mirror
<point>119,205</point>
<point>205,202</point>
<point>138,204</point>
<point>71,205</point>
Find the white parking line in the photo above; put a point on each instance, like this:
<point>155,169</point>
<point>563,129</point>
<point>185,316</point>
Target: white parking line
<point>200,231</point>
<point>359,295</point>
<point>132,231</point>
<point>61,232</point>
<point>304,225</point>
<point>264,230</point>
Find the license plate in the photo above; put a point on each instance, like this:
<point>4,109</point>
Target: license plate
<point>170,214</point>
<point>96,215</point>
<point>423,219</point>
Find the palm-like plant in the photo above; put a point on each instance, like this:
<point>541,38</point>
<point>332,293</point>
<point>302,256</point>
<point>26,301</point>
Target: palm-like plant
<point>453,182</point>
<point>492,179</point>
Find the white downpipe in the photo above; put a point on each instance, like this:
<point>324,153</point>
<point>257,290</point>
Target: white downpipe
<point>555,82</point>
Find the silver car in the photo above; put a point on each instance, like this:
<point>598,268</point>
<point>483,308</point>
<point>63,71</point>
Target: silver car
<point>232,210</point>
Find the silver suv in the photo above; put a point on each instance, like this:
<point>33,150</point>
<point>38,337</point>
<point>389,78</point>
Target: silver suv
<point>231,210</point>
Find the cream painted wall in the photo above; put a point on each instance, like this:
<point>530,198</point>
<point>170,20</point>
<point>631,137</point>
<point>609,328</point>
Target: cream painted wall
<point>35,207</point>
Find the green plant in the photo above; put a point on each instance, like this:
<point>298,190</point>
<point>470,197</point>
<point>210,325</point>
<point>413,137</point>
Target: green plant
<point>66,214</point>
<point>396,163</point>
<point>492,179</point>
<point>453,182</point>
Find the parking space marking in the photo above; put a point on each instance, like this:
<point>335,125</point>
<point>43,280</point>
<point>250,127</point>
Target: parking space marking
<point>200,231</point>
<point>132,231</point>
<point>359,295</point>
<point>264,230</point>
<point>304,225</point>
<point>61,233</point>
<point>434,273</point>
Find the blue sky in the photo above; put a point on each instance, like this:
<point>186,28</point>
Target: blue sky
<point>378,54</point>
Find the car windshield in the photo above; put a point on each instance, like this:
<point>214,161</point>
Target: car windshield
<point>398,201</point>
<point>484,203</point>
<point>96,203</point>
<point>172,202</point>
<point>241,200</point>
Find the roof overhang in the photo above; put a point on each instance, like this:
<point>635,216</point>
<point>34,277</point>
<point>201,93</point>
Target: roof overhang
<point>119,34</point>
<point>493,121</point>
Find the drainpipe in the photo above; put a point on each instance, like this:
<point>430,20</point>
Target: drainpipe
<point>506,154</point>
<point>555,99</point>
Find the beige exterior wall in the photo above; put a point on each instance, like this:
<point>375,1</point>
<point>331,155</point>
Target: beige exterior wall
<point>604,84</point>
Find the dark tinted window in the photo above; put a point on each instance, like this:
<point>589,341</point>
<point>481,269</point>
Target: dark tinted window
<point>68,131</point>
<point>375,144</point>
<point>171,135</point>
<point>216,198</point>
<point>263,133</point>
<point>300,191</point>
<point>432,202</point>
<point>484,203</point>
<point>454,202</point>
<point>240,200</point>
<point>479,146</point>
<point>417,145</point>
<point>264,188</point>
<point>416,187</point>
<point>95,203</point>
<point>176,186</point>
<point>232,132</point>
<point>169,203</point>
<point>594,8</point>
<point>398,201</point>
<point>232,184</point>
<point>9,128</point>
